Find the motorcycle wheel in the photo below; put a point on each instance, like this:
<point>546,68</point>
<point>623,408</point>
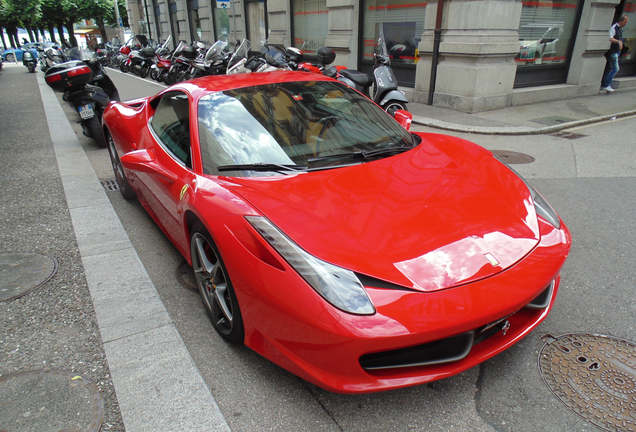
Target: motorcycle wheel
<point>168,78</point>
<point>95,130</point>
<point>32,68</point>
<point>143,71</point>
<point>123,67</point>
<point>392,106</point>
<point>154,74</point>
<point>181,76</point>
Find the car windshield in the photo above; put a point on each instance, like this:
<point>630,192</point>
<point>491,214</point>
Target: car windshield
<point>312,124</point>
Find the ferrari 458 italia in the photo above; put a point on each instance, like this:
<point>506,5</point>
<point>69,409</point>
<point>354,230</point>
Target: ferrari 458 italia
<point>328,238</point>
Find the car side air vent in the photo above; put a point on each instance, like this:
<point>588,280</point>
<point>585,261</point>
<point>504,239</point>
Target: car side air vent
<point>542,301</point>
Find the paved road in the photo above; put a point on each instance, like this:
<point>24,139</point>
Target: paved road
<point>590,181</point>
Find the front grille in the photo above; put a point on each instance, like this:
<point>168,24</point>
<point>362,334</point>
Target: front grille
<point>442,351</point>
<point>447,350</point>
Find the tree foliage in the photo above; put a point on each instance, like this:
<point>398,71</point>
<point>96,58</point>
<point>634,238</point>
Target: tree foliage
<point>34,15</point>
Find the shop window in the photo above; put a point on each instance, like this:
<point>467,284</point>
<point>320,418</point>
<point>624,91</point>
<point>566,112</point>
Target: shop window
<point>545,30</point>
<point>401,22</point>
<point>311,24</point>
<point>629,31</point>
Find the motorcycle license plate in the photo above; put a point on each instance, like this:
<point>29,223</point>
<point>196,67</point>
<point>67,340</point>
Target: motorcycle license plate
<point>86,112</point>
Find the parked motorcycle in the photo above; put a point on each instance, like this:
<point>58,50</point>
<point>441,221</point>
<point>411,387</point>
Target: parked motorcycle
<point>161,64</point>
<point>181,63</point>
<point>87,88</point>
<point>140,61</point>
<point>385,87</point>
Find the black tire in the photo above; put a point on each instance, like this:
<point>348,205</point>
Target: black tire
<point>182,76</point>
<point>10,58</point>
<point>143,71</point>
<point>123,67</point>
<point>392,106</point>
<point>124,187</point>
<point>168,78</point>
<point>95,131</point>
<point>154,74</point>
<point>32,68</point>
<point>215,286</point>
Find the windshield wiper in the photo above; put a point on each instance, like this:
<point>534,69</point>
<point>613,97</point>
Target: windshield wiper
<point>363,154</point>
<point>263,167</point>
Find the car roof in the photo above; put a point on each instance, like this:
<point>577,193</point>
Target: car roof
<point>214,83</point>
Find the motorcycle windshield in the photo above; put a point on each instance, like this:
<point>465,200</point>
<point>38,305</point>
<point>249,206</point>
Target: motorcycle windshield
<point>177,50</point>
<point>165,45</point>
<point>239,54</point>
<point>216,51</point>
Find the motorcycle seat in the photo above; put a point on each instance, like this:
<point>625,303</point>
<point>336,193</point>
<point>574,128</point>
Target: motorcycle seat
<point>357,77</point>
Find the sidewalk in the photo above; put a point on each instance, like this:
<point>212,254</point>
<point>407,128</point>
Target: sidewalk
<point>539,118</point>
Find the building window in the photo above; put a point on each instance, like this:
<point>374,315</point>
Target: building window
<point>311,24</point>
<point>545,30</point>
<point>401,22</point>
<point>256,22</point>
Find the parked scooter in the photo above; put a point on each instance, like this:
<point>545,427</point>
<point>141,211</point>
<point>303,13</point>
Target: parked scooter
<point>50,56</point>
<point>386,93</point>
<point>87,88</point>
<point>30,60</point>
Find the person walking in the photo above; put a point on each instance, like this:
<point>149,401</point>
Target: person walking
<point>616,38</point>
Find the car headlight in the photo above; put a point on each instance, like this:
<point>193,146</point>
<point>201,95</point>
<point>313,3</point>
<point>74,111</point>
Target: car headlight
<point>338,286</point>
<point>542,207</point>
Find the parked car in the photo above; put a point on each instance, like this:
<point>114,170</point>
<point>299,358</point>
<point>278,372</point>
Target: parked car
<point>8,55</point>
<point>331,240</point>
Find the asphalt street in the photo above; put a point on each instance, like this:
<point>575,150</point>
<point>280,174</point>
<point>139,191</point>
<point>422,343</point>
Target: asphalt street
<point>589,180</point>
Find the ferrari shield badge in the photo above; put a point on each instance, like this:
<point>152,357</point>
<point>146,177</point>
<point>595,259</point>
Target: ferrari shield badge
<point>184,189</point>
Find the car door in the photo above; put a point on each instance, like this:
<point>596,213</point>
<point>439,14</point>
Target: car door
<point>169,183</point>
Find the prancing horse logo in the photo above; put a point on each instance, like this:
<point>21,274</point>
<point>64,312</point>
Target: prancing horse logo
<point>505,327</point>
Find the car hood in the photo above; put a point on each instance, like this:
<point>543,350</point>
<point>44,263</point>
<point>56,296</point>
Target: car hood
<point>442,214</point>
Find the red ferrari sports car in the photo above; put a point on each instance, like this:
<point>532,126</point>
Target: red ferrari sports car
<point>331,240</point>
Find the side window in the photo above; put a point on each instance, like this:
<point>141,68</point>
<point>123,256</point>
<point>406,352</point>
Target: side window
<point>171,123</point>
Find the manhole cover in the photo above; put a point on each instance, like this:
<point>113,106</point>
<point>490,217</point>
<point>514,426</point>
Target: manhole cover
<point>110,185</point>
<point>511,157</point>
<point>185,277</point>
<point>49,401</point>
<point>593,375</point>
<point>22,272</point>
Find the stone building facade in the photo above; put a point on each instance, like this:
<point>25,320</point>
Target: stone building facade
<point>492,53</point>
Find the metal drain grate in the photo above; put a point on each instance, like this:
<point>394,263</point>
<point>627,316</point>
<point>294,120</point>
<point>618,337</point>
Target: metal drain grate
<point>110,185</point>
<point>595,376</point>
<point>568,135</point>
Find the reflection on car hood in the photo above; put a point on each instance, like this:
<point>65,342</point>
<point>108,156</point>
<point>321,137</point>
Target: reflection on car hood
<point>440,215</point>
